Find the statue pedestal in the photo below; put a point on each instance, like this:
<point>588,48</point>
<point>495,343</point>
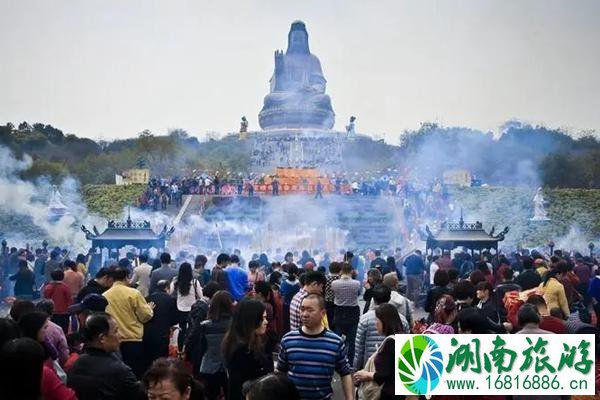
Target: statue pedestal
<point>297,148</point>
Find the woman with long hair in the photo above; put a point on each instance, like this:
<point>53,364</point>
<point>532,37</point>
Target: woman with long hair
<point>208,361</point>
<point>444,315</point>
<point>33,326</point>
<point>263,260</point>
<point>374,278</point>
<point>187,290</point>
<point>264,293</point>
<point>388,324</point>
<point>244,348</point>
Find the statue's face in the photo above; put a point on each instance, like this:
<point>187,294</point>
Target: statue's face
<point>298,40</point>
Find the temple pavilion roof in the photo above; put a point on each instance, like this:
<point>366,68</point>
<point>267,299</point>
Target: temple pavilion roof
<point>128,233</point>
<point>461,234</point>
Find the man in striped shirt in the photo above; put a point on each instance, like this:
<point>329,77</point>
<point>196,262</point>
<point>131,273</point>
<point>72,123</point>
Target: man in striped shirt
<point>312,354</point>
<point>314,283</point>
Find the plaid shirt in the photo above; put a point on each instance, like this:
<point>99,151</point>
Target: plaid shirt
<point>346,291</point>
<point>328,291</point>
<point>295,322</point>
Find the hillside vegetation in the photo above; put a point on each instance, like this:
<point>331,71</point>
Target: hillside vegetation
<point>521,155</point>
<point>574,214</point>
<point>109,200</point>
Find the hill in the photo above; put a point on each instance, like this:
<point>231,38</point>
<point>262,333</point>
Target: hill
<point>521,155</point>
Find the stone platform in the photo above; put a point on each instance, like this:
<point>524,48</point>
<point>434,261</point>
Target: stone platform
<point>297,148</point>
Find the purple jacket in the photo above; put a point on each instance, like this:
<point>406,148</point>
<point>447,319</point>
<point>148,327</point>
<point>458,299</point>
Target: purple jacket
<point>56,337</point>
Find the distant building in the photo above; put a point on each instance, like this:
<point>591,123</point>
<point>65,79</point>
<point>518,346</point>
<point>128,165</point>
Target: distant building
<point>132,176</point>
<point>458,177</point>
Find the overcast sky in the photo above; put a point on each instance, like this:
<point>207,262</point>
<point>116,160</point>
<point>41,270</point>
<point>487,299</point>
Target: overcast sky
<point>110,69</point>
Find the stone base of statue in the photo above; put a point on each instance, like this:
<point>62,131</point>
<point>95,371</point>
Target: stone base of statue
<point>297,148</point>
<point>296,118</point>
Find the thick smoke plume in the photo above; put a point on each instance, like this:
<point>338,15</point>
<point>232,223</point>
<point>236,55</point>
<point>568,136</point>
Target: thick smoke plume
<point>25,205</point>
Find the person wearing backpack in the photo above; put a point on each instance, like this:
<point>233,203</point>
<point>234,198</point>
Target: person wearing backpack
<point>186,290</point>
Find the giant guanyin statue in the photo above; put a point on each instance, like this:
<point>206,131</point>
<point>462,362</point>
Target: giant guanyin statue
<point>297,96</point>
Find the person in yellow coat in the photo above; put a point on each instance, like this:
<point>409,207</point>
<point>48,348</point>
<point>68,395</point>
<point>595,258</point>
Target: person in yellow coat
<point>554,292</point>
<point>130,311</point>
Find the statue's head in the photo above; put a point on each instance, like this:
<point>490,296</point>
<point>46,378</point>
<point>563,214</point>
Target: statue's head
<point>298,39</point>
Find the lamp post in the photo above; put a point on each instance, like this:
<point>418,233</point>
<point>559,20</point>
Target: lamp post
<point>551,245</point>
<point>591,247</point>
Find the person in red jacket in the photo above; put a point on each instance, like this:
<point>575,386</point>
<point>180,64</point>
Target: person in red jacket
<point>58,291</point>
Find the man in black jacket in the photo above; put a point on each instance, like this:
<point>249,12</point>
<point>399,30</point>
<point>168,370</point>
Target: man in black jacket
<point>157,331</point>
<point>529,278</point>
<point>378,262</point>
<point>100,284</point>
<point>488,308</point>
<point>99,373</point>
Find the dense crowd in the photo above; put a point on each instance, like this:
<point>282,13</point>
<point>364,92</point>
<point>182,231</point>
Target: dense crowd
<point>287,326</point>
<point>164,192</point>
<point>417,199</point>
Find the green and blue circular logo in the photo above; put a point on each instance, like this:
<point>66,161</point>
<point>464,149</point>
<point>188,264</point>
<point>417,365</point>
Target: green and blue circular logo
<point>420,364</point>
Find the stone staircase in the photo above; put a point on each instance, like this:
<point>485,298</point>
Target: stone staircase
<point>228,222</point>
<point>369,222</point>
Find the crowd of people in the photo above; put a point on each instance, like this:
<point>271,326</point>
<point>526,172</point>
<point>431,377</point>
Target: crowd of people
<point>289,325</point>
<point>164,192</point>
<point>417,198</point>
